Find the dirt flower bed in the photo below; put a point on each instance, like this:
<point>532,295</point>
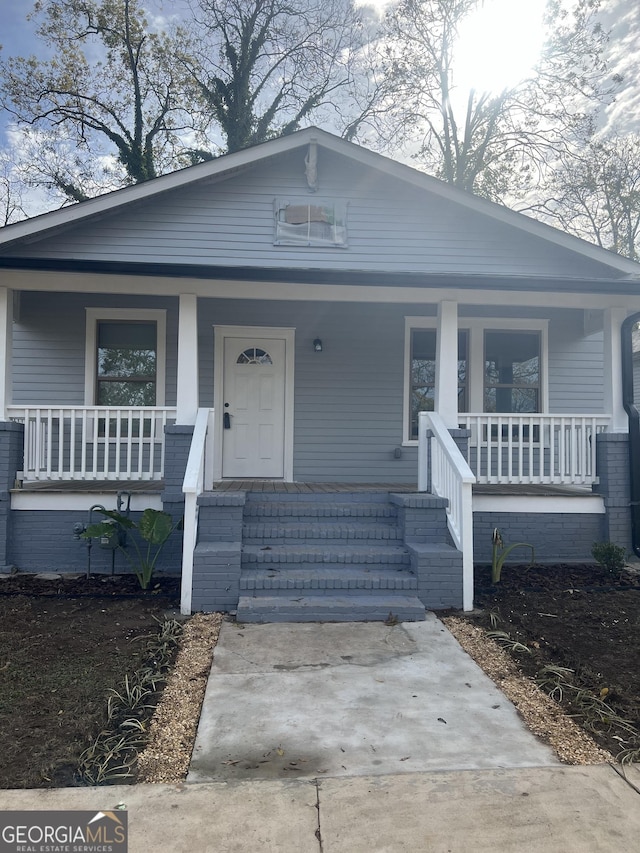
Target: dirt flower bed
<point>573,630</point>
<point>64,642</point>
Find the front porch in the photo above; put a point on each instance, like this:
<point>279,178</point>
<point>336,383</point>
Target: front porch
<point>545,477</point>
<point>328,550</point>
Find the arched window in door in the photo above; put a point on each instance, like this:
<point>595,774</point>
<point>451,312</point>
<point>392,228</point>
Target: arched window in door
<point>254,355</point>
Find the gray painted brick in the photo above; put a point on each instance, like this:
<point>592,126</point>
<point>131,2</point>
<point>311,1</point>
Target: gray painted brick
<point>555,537</point>
<point>42,540</point>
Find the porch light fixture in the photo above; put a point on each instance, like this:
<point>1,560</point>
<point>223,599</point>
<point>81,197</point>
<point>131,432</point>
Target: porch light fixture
<point>317,345</point>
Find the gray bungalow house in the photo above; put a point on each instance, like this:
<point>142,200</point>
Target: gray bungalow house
<point>342,372</point>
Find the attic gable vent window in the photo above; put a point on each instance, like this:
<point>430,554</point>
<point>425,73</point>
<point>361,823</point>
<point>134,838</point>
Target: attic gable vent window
<point>317,223</point>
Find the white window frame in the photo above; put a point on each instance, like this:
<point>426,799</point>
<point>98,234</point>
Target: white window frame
<point>476,327</point>
<point>96,315</point>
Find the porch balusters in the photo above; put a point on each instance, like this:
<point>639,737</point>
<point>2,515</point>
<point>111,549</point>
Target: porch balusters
<point>534,448</point>
<point>93,442</point>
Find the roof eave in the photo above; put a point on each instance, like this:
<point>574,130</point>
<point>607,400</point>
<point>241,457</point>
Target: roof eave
<point>310,275</point>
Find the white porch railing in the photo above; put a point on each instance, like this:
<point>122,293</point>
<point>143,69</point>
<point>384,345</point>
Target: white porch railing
<point>192,487</point>
<point>93,442</point>
<point>534,448</point>
<point>443,470</point>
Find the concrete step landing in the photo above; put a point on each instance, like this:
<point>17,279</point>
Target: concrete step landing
<point>380,607</point>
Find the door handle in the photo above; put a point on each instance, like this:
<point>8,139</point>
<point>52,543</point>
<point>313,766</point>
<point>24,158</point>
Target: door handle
<point>226,420</point>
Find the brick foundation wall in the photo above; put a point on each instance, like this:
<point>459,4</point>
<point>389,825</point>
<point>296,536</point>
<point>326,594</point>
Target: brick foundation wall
<point>556,537</point>
<point>43,541</point>
<point>11,461</point>
<point>614,470</point>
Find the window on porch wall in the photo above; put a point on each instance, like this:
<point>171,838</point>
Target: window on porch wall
<point>423,373</point>
<point>126,371</point>
<point>126,359</point>
<point>511,371</point>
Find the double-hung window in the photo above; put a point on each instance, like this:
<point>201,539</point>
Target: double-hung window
<point>125,357</point>
<point>512,371</point>
<point>501,366</point>
<point>126,363</point>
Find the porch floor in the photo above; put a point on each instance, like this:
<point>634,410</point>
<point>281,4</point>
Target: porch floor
<point>309,488</point>
<point>277,486</point>
<point>103,486</point>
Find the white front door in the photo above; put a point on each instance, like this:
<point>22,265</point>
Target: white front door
<point>253,407</point>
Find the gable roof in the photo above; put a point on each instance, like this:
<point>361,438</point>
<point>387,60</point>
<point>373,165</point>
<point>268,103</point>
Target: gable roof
<point>225,166</point>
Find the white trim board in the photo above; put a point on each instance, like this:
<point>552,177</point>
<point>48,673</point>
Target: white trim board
<point>79,501</point>
<point>540,504</point>
<point>72,282</point>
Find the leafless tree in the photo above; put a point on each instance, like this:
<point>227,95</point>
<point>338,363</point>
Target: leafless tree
<point>107,79</point>
<point>595,194</point>
<point>485,142</point>
<point>263,68</point>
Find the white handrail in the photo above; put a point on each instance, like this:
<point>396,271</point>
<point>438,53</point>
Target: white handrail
<point>93,442</point>
<point>192,487</point>
<point>534,448</point>
<point>443,466</point>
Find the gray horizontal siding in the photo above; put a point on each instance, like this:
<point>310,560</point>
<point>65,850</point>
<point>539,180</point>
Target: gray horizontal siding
<point>576,380</point>
<point>391,226</point>
<point>348,398</point>
<point>49,345</point>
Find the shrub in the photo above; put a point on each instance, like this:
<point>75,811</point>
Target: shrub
<point>610,556</point>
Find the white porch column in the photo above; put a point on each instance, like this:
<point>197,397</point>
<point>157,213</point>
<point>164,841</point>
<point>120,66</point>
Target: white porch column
<point>6,335</point>
<point>187,393</point>
<point>613,319</point>
<point>446,394</point>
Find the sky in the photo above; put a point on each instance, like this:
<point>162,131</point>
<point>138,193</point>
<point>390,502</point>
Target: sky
<point>499,45</point>
<point>15,32</point>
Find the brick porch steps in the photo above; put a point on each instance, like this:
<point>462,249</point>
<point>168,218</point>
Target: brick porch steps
<point>330,554</point>
<point>373,510</point>
<point>317,533</point>
<point>317,580</point>
<point>327,556</point>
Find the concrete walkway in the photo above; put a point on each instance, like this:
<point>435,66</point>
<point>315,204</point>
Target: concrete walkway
<point>343,739</point>
<point>525,810</point>
<point>287,701</point>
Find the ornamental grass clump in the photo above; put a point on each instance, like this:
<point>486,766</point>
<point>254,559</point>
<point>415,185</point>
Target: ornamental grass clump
<point>500,552</point>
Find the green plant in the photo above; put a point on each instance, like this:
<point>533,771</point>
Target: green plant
<point>112,756</point>
<point>500,552</point>
<point>610,556</point>
<point>494,619</point>
<point>154,527</point>
<point>555,680</point>
<point>508,642</point>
